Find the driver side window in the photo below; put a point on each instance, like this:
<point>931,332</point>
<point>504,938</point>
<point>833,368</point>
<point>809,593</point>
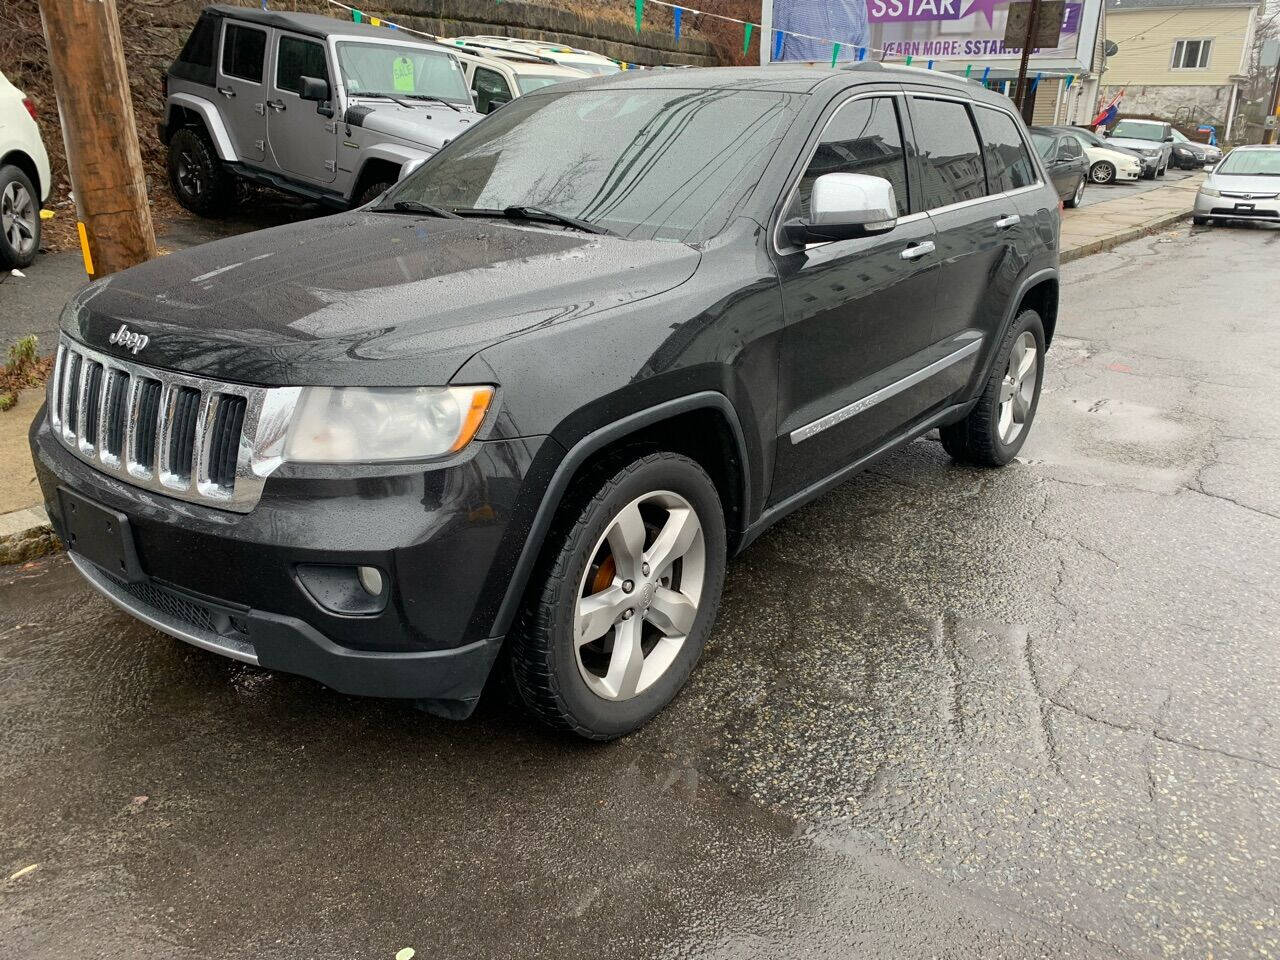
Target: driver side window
<point>297,58</point>
<point>491,90</point>
<point>862,136</point>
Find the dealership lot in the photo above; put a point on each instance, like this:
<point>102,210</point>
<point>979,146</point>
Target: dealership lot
<point>945,711</point>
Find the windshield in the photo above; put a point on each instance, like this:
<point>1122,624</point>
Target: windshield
<point>1043,142</point>
<point>1179,138</point>
<point>595,68</point>
<point>528,82</point>
<point>401,71</point>
<point>1251,163</point>
<point>1136,130</point>
<point>646,164</point>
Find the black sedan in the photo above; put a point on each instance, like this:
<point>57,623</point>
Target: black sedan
<point>1065,161</point>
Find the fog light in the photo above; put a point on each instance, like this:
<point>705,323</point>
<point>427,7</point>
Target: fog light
<point>371,580</point>
<point>349,591</point>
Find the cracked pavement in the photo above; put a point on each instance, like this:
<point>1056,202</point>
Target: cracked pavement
<point>945,712</point>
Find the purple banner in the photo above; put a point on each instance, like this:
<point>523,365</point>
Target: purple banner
<point>901,11</point>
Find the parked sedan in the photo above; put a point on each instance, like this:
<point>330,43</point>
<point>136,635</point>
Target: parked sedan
<point>1065,161</point>
<point>1107,163</point>
<point>1244,186</point>
<point>1190,155</point>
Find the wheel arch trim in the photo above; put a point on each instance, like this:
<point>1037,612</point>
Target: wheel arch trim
<point>578,454</point>
<point>212,123</point>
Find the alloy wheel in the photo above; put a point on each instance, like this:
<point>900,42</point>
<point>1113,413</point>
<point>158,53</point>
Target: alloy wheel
<point>189,175</point>
<point>1075,201</point>
<point>638,598</point>
<point>18,219</point>
<point>1018,389</point>
<point>1102,173</point>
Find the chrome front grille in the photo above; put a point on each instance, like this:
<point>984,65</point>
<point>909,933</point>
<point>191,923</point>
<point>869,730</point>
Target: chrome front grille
<point>206,441</point>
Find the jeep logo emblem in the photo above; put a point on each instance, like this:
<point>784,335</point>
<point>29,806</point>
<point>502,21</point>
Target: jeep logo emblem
<point>134,342</point>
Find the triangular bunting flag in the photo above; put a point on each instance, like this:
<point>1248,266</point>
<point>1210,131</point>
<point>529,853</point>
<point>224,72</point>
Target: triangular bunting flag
<point>835,53</point>
<point>639,13</point>
<point>746,35</point>
<point>679,15</point>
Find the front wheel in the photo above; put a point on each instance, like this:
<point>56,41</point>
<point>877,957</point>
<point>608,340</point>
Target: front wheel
<point>1200,221</point>
<point>630,582</point>
<point>372,192</point>
<point>1102,172</point>
<point>995,429</point>
<point>1077,197</point>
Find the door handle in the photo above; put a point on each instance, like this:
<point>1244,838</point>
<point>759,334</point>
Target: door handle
<point>918,250</point>
<point>276,105</point>
<point>227,92</point>
<point>1004,223</point>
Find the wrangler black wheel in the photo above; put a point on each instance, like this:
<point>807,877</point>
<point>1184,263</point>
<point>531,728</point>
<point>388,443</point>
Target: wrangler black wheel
<point>196,175</point>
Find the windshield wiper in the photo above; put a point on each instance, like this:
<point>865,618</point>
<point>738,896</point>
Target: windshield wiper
<point>385,96</point>
<point>414,206</point>
<point>537,214</point>
<point>434,99</point>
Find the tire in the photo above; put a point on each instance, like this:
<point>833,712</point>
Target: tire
<point>1148,176</point>
<point>1200,221</point>
<point>372,192</point>
<point>1075,199</point>
<point>19,219</point>
<point>197,177</point>
<point>549,668</point>
<point>1102,173</point>
<point>1162,170</point>
<point>979,438</point>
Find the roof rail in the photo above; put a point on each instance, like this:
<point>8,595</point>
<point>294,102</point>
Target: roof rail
<point>509,53</point>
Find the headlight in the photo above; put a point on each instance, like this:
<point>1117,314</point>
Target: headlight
<point>1210,192</point>
<point>367,424</point>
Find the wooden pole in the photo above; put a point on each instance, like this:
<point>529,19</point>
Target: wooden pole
<point>1020,94</point>
<point>87,59</point>
<point>1273,106</point>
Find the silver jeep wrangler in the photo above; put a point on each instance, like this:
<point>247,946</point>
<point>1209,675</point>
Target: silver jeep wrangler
<point>329,110</point>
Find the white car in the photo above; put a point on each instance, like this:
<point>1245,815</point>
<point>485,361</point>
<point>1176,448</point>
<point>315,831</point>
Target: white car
<point>1107,164</point>
<point>24,178</point>
<point>1244,186</point>
<point>497,76</point>
<point>584,60</point>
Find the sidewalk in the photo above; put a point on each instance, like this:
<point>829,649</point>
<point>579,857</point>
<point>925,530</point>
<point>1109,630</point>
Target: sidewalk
<point>24,527</point>
<point>1101,226</point>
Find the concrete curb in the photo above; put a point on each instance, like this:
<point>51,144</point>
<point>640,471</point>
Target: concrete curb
<point>1124,236</point>
<point>25,535</point>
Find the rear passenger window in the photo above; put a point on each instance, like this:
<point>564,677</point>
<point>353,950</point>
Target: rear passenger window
<point>195,62</point>
<point>863,136</point>
<point>1009,165</point>
<point>950,160</point>
<point>296,59</point>
<point>242,51</point>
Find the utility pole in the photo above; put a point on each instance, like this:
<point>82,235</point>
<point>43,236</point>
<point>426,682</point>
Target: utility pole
<point>1273,105</point>
<point>1020,90</point>
<point>87,59</point>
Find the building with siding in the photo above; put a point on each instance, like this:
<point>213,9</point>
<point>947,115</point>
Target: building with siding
<point>1180,60</point>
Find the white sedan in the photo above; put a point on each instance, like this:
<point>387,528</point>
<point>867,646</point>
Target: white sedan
<point>1107,164</point>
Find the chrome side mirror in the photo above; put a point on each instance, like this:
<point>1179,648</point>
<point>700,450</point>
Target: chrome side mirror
<point>843,206</point>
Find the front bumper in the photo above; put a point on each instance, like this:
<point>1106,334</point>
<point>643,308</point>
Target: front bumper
<point>234,583</point>
<point>1230,208</point>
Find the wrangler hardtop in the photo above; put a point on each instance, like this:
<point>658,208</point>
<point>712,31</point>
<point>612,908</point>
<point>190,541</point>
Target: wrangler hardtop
<point>321,108</point>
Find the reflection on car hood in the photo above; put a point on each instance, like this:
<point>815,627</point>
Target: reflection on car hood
<point>431,124</point>
<point>1235,183</point>
<point>365,298</point>
<point>1133,143</point>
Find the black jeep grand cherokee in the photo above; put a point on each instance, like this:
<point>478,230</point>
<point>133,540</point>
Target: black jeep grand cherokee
<point>539,391</point>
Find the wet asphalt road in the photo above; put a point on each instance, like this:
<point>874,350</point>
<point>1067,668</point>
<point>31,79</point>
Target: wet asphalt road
<point>945,712</point>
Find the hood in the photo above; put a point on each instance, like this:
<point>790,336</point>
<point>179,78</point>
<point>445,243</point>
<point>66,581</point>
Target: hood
<point>1134,144</point>
<point>431,124</point>
<point>1260,187</point>
<point>364,298</point>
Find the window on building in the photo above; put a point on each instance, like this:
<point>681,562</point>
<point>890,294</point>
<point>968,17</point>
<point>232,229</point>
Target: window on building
<point>1191,54</point>
<point>864,136</point>
<point>950,158</point>
<point>243,49</point>
<point>1009,165</point>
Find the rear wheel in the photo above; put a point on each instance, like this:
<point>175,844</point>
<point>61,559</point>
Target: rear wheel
<point>630,585</point>
<point>196,175</point>
<point>19,219</point>
<point>1200,221</point>
<point>995,429</point>
<point>1102,172</point>
<point>1077,197</point>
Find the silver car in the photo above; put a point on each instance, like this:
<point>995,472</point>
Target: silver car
<point>1244,186</point>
